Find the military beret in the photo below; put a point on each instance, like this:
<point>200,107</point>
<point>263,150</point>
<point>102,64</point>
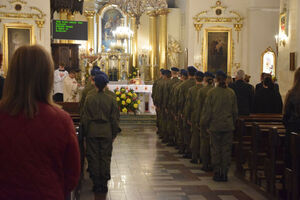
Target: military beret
<point>101,80</point>
<point>94,70</point>
<point>161,70</point>
<point>221,73</point>
<point>191,70</point>
<point>183,72</point>
<point>199,74</point>
<point>102,73</point>
<point>174,69</point>
<point>208,74</point>
<point>167,72</point>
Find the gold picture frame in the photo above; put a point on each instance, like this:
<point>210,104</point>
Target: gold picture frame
<point>268,62</point>
<point>217,51</point>
<point>16,35</point>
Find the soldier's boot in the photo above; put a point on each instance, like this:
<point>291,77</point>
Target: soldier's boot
<point>206,168</point>
<point>224,177</point>
<point>217,176</point>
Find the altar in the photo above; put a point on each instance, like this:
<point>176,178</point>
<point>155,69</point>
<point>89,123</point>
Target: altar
<point>144,92</point>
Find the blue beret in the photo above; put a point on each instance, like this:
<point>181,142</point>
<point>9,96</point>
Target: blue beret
<point>175,69</point>
<point>161,70</point>
<point>208,74</point>
<point>183,72</point>
<point>102,73</point>
<point>191,70</point>
<point>167,72</point>
<point>94,70</point>
<point>199,74</point>
<point>221,73</point>
<point>101,80</point>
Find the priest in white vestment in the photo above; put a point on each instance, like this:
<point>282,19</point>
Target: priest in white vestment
<point>71,88</point>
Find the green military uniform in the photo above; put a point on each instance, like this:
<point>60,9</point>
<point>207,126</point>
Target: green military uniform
<point>89,86</point>
<point>172,109</point>
<point>204,136</point>
<point>182,96</point>
<point>102,126</point>
<point>190,115</point>
<point>218,116</point>
<point>155,89</point>
<point>166,99</point>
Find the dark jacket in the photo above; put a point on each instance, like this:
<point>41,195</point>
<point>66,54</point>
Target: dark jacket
<point>291,117</point>
<point>260,86</point>
<point>1,86</point>
<point>267,101</point>
<point>245,94</point>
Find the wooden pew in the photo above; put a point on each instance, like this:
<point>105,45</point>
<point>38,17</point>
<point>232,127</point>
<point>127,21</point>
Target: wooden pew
<point>73,109</point>
<point>243,136</point>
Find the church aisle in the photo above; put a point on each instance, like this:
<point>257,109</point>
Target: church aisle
<point>145,169</point>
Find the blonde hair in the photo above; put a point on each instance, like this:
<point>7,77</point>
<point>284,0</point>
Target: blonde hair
<point>29,81</point>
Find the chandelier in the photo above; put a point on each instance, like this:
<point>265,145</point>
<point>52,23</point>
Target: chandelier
<point>122,33</point>
<point>136,8</point>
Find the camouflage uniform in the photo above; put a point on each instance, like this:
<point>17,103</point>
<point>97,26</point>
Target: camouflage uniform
<point>218,116</point>
<point>102,126</point>
<point>204,135</point>
<point>154,95</point>
<point>190,116</point>
<point>182,96</point>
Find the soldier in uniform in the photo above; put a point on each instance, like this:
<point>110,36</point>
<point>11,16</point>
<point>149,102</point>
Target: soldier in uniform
<point>167,98</point>
<point>161,104</point>
<point>155,89</point>
<point>183,90</point>
<point>190,116</point>
<point>219,115</point>
<point>204,135</point>
<point>100,113</point>
<point>173,105</point>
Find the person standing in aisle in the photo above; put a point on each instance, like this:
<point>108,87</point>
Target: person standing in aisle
<point>102,126</point>
<point>190,116</point>
<point>204,135</point>
<point>218,117</point>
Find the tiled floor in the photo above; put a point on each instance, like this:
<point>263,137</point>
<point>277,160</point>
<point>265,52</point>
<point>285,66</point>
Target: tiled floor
<point>145,169</point>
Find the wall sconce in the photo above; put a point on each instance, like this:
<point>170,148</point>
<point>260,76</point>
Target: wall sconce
<point>281,39</point>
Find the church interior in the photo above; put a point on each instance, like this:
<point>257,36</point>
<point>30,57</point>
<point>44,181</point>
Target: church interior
<point>135,43</point>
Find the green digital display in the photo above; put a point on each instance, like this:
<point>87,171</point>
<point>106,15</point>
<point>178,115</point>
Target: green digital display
<point>69,30</point>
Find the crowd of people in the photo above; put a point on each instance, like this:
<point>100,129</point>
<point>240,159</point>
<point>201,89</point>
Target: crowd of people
<point>197,112</point>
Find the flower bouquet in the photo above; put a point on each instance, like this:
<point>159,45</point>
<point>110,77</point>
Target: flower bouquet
<point>127,100</point>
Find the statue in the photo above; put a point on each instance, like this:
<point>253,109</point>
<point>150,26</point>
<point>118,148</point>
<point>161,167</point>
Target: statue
<point>173,52</point>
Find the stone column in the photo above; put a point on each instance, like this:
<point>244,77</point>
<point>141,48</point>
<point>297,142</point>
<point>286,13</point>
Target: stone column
<point>90,14</point>
<point>134,41</point>
<point>163,38</point>
<point>153,42</point>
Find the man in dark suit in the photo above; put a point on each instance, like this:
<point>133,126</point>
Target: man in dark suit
<point>1,86</point>
<point>244,93</point>
<point>262,77</point>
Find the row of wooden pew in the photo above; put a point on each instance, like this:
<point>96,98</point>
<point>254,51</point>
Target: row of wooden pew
<point>262,157</point>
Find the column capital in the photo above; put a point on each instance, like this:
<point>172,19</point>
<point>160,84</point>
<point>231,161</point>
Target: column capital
<point>152,13</point>
<point>89,13</point>
<point>198,27</point>
<point>163,11</point>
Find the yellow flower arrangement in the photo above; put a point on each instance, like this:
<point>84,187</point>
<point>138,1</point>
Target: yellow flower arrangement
<point>127,100</point>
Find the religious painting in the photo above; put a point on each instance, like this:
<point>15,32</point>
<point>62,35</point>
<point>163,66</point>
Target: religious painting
<point>283,20</point>
<point>268,61</point>
<point>217,50</point>
<point>15,36</point>
<point>111,19</point>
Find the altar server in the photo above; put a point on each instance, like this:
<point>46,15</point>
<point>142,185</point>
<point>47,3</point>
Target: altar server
<point>71,88</point>
<point>219,115</point>
<point>59,75</point>
<point>101,119</point>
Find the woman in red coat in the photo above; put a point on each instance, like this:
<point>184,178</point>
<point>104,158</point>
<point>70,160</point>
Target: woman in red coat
<point>38,146</point>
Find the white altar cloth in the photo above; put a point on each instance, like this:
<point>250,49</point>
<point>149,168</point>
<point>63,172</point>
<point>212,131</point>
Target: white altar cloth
<point>144,92</point>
